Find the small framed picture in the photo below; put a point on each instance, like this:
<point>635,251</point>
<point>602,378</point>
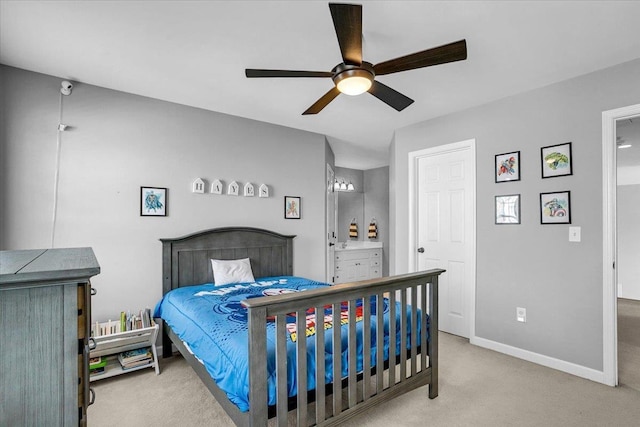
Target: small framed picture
<point>508,209</point>
<point>153,201</point>
<point>292,207</point>
<point>508,167</point>
<point>556,160</point>
<point>555,208</point>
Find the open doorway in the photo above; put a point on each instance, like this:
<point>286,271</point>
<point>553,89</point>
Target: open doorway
<point>610,150</point>
<point>628,250</point>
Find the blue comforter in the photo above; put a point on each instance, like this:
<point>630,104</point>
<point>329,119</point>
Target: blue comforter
<point>213,324</point>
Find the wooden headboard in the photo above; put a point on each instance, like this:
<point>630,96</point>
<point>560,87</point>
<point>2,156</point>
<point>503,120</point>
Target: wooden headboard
<point>186,260</point>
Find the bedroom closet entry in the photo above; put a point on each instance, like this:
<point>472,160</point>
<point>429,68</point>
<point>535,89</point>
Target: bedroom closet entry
<point>443,203</point>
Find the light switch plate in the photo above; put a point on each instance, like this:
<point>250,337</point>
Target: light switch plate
<point>574,234</point>
<point>521,314</point>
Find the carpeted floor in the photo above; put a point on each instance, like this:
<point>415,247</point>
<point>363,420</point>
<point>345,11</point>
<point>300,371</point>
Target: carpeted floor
<point>629,343</point>
<point>478,387</point>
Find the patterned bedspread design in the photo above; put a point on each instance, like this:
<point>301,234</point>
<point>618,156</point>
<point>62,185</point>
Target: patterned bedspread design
<point>213,323</point>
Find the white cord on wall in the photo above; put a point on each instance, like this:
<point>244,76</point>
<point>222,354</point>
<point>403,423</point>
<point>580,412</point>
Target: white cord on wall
<point>57,175</point>
<point>66,87</point>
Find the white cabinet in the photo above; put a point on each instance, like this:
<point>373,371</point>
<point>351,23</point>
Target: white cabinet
<point>357,264</point>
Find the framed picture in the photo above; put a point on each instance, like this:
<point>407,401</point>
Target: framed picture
<point>555,208</point>
<point>508,209</point>
<point>508,167</point>
<point>292,207</point>
<point>153,201</point>
<point>556,160</point>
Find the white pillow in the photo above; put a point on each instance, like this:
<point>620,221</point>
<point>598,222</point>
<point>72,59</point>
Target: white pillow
<point>231,271</point>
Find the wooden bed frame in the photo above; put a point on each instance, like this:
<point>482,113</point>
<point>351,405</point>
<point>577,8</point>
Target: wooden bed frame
<point>186,262</point>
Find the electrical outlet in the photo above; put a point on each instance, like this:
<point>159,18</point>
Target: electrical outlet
<point>521,314</point>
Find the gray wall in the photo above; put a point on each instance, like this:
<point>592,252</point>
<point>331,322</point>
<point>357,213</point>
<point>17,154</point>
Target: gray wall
<point>369,200</point>
<point>628,265</point>
<point>559,283</point>
<point>119,142</point>
<point>376,205</point>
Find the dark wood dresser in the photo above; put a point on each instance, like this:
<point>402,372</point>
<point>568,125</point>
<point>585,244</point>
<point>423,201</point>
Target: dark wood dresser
<point>45,317</point>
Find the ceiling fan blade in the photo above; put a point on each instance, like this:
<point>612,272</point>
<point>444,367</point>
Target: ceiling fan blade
<point>250,72</point>
<point>456,51</point>
<point>322,102</point>
<point>347,20</point>
<point>391,97</point>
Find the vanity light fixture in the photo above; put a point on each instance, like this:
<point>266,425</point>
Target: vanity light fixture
<point>341,185</point>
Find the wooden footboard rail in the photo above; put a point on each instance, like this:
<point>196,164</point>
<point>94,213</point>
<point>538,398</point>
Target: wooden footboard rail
<point>415,368</point>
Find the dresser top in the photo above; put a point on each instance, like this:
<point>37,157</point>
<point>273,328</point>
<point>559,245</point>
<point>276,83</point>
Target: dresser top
<point>47,265</point>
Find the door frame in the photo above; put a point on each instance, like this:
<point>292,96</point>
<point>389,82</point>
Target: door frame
<point>609,241</point>
<point>414,157</point>
<point>331,212</point>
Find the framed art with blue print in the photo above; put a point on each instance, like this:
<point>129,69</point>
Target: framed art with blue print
<point>153,201</point>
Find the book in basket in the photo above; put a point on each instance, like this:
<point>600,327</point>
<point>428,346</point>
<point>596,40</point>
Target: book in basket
<point>134,356</point>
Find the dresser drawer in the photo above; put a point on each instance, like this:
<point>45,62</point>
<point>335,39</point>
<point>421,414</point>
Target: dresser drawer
<point>351,255</point>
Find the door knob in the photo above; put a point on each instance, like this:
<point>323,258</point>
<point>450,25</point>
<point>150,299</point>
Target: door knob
<point>421,250</point>
<point>331,244</point>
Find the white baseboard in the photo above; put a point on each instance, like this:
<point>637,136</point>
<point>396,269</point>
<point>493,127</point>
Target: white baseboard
<point>550,362</point>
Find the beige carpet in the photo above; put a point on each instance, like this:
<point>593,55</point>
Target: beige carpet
<point>478,387</point>
<point>629,343</point>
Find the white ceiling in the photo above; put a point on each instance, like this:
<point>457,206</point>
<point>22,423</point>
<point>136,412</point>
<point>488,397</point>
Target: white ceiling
<point>195,53</point>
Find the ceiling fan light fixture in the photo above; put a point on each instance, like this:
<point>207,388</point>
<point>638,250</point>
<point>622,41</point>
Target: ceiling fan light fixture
<point>354,76</point>
<point>353,82</point>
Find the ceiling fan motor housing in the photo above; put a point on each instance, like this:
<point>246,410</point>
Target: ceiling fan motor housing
<point>343,72</point>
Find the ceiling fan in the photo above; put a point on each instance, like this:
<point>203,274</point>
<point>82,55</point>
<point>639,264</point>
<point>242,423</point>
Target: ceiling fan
<point>355,76</point>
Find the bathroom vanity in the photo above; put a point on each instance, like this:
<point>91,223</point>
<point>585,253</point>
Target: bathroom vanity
<point>357,260</point>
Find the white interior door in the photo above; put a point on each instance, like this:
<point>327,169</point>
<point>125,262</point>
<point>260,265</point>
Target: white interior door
<point>445,229</point>
<point>331,225</point>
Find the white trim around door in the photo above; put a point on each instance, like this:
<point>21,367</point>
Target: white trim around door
<point>609,288</point>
